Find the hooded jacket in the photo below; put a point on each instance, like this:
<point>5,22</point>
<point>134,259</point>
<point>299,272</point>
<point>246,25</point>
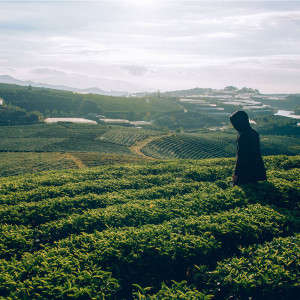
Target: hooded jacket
<point>249,164</point>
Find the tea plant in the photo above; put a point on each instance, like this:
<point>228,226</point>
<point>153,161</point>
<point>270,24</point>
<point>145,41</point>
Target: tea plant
<point>153,230</point>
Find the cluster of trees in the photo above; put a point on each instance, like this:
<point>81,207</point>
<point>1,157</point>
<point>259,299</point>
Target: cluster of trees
<point>58,103</point>
<point>291,102</point>
<point>242,90</point>
<point>13,115</point>
<point>188,120</point>
<point>46,101</point>
<point>295,101</point>
<point>201,91</point>
<point>189,92</point>
<point>277,125</point>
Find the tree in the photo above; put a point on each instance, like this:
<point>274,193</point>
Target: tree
<point>230,88</point>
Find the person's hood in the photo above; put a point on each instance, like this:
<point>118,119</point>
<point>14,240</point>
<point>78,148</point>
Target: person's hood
<point>240,121</point>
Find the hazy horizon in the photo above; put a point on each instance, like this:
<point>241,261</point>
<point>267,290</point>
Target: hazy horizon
<point>137,45</point>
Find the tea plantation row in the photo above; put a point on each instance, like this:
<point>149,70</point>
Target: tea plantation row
<point>157,230</point>
<point>209,145</point>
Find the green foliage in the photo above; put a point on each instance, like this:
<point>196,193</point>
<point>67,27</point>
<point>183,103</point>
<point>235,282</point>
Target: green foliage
<point>15,163</point>
<point>268,271</point>
<point>93,159</point>
<point>127,136</point>
<point>83,138</point>
<point>191,146</point>
<point>177,291</point>
<point>56,103</point>
<point>137,231</point>
<point>13,115</point>
<point>277,125</point>
<point>57,137</point>
<point>163,250</point>
<point>215,144</point>
<point>294,100</point>
<point>46,101</point>
<point>189,120</point>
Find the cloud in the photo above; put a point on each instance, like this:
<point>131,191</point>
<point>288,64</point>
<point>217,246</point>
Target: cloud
<point>47,71</point>
<point>118,39</point>
<point>252,20</point>
<point>135,70</point>
<point>221,35</point>
<point>280,63</point>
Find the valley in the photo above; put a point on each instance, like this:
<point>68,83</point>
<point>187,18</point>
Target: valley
<point>138,202</point>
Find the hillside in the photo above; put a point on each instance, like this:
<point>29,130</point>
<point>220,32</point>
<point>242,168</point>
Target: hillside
<point>56,103</point>
<point>6,79</point>
<point>215,144</point>
<point>41,147</point>
<point>194,110</point>
<point>112,232</point>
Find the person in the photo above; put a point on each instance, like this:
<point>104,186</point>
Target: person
<point>249,166</point>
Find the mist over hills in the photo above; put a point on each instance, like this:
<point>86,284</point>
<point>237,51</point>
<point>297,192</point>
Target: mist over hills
<point>92,90</point>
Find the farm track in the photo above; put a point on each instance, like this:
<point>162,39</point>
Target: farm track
<point>136,148</point>
<point>76,160</point>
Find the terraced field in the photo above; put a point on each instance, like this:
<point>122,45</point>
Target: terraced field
<point>16,163</point>
<point>215,144</point>
<point>128,136</point>
<point>158,230</point>
<point>71,137</point>
<point>191,146</point>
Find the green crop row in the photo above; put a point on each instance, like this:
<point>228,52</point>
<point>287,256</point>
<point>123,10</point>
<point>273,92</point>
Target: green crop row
<point>96,186</point>
<point>177,291</point>
<point>282,162</point>
<point>187,146</point>
<point>59,178</point>
<point>136,213</point>
<point>27,183</point>
<point>268,271</point>
<point>15,163</point>
<point>127,136</point>
<point>101,185</point>
<point>134,208</point>
<point>105,185</point>
<point>290,175</point>
<point>151,253</point>
<point>35,213</point>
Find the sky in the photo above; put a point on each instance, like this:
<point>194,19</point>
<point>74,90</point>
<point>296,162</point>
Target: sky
<point>136,45</point>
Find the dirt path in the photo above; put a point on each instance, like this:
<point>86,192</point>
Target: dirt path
<point>136,148</point>
<point>76,160</point>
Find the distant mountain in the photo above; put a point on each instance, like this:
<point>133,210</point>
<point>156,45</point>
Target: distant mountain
<point>189,92</point>
<point>92,90</point>
<point>10,80</point>
<point>231,90</point>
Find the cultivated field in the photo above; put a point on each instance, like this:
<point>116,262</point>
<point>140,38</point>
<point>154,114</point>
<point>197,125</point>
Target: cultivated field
<point>215,144</point>
<point>157,230</point>
<point>17,163</point>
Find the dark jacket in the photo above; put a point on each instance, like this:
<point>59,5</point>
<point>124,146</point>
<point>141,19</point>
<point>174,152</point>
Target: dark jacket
<point>249,164</point>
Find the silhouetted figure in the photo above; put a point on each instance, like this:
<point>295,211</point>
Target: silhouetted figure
<point>249,166</point>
